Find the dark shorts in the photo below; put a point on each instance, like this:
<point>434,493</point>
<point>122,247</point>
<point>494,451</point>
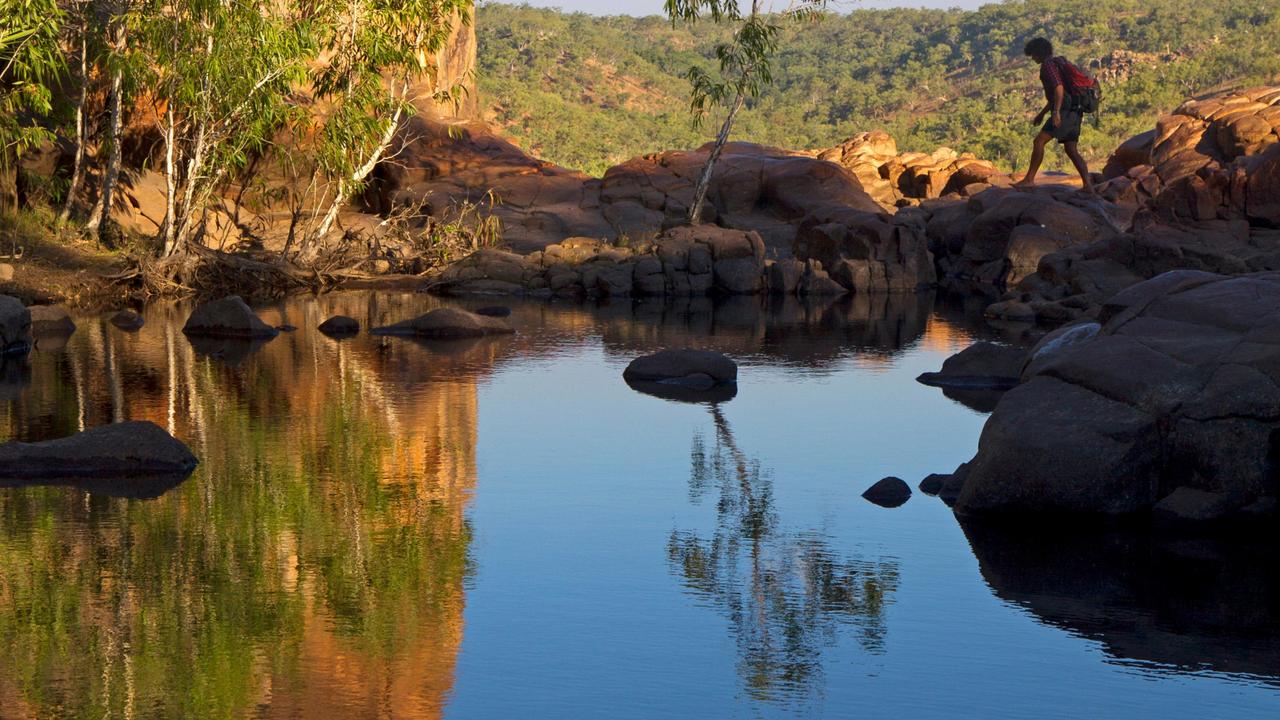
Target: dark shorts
<point>1070,129</point>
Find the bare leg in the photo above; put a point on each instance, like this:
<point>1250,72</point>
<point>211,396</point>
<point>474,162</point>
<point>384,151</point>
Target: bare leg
<point>1037,157</point>
<point>1073,152</point>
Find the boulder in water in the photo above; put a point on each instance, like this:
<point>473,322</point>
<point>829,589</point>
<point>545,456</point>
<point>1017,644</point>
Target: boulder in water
<point>50,320</point>
<point>981,366</point>
<point>697,369</point>
<point>128,320</point>
<point>229,317</point>
<point>891,492</point>
<point>340,325</point>
<point>445,324</point>
<point>117,450</point>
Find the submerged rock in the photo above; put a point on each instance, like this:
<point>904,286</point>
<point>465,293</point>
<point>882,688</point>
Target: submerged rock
<point>340,325</point>
<point>498,311</point>
<point>117,450</point>
<point>1178,391</point>
<point>15,327</point>
<point>229,317</point>
<point>47,320</point>
<point>447,323</point>
<point>128,320</point>
<point>981,366</point>
<point>891,492</point>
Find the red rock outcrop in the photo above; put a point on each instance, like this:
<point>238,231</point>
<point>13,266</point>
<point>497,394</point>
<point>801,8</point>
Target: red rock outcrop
<point>896,179</point>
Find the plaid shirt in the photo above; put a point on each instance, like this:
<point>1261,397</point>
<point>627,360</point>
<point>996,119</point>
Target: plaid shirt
<point>1051,77</point>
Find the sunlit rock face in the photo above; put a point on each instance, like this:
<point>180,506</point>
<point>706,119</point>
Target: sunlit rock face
<point>1161,602</point>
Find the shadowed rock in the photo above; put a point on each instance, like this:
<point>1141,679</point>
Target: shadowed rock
<point>981,366</point>
<point>229,317</point>
<point>891,492</point>
<point>1178,391</point>
<point>128,320</point>
<point>340,326</point>
<point>15,327</point>
<point>108,451</point>
<point>48,320</point>
<point>697,369</point>
<point>447,323</point>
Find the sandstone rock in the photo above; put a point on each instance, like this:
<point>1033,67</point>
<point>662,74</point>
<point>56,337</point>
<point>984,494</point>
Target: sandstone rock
<point>340,325</point>
<point>128,320</point>
<point>229,318</point>
<point>447,323</point>
<point>784,276</point>
<point>1179,388</point>
<point>891,492</point>
<point>121,449</point>
<point>6,272</point>
<point>15,327</point>
<point>983,365</point>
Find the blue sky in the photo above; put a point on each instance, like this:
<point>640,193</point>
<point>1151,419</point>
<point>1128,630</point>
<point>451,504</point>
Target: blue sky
<point>654,7</point>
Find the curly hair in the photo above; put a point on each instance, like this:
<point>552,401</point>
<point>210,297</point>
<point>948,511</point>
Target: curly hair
<point>1039,47</point>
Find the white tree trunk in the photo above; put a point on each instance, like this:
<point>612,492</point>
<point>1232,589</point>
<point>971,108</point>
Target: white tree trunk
<point>112,172</point>
<point>344,186</point>
<point>170,183</point>
<point>704,180</point>
<point>77,167</point>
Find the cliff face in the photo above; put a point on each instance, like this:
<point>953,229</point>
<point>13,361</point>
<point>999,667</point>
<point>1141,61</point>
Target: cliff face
<point>455,65</point>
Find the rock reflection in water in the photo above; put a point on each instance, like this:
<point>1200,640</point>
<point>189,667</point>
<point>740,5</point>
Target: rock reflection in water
<point>1181,604</point>
<point>787,596</point>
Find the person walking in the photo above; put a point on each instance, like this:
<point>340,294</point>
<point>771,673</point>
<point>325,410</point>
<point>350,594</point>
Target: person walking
<point>1064,84</point>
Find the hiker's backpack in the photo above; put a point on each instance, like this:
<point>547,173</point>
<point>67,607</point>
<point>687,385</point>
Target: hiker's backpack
<point>1085,91</point>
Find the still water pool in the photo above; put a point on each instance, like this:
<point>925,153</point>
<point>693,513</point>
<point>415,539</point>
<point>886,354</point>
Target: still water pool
<point>383,528</point>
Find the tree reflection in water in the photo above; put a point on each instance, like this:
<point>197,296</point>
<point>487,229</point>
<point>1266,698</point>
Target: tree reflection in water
<point>787,596</point>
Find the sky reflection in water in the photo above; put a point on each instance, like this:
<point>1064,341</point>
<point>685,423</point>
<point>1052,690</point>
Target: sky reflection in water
<point>502,528</point>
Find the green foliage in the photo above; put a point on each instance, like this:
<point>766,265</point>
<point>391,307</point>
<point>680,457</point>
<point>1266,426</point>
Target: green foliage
<point>589,92</point>
<point>30,60</point>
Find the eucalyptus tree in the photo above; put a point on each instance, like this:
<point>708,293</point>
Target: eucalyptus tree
<point>30,61</point>
<point>219,75</point>
<point>744,64</point>
<point>377,56</point>
<point>79,28</point>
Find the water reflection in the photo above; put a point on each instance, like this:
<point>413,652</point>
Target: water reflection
<point>316,559</point>
<point>786,595</point>
<point>1160,602</point>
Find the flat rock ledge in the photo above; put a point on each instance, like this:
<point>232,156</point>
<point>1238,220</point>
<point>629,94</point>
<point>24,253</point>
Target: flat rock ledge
<point>118,450</point>
<point>981,366</point>
<point>229,318</point>
<point>1171,405</point>
<point>447,324</point>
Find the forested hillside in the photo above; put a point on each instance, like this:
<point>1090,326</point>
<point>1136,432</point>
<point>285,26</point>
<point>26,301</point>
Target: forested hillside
<point>588,92</point>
